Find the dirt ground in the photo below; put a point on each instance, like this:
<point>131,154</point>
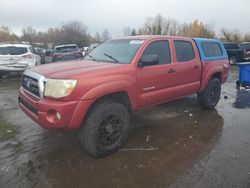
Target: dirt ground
<point>171,145</point>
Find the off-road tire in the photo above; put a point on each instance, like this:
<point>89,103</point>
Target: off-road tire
<point>210,97</point>
<point>105,115</point>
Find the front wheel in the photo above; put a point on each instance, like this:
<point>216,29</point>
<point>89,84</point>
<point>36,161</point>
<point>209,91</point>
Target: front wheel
<point>210,97</point>
<point>105,129</point>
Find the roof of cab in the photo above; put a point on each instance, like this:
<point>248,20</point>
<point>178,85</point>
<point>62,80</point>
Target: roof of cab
<point>148,37</point>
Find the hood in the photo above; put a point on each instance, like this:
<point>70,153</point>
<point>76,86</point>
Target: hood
<point>70,69</point>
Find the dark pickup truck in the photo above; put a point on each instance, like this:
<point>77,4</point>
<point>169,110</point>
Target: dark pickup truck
<point>235,54</point>
<point>238,52</point>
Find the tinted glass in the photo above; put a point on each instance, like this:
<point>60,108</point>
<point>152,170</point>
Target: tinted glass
<point>65,49</point>
<point>184,51</point>
<point>245,46</point>
<point>117,51</point>
<point>211,49</point>
<point>12,50</point>
<point>160,48</point>
<point>231,46</point>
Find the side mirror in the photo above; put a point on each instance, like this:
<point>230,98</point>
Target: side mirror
<point>147,60</point>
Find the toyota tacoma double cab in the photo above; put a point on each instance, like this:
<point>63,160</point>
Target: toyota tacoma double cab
<point>97,95</point>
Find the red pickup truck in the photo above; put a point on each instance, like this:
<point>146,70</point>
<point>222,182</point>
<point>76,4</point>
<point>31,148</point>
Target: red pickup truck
<point>97,95</point>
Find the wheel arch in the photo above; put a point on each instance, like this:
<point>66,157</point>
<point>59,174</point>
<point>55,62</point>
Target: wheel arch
<point>117,89</point>
<point>216,74</point>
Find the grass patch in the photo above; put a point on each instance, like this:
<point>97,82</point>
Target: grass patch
<point>6,131</point>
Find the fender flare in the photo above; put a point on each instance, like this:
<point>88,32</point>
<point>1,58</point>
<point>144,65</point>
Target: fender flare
<point>110,88</point>
<point>208,77</point>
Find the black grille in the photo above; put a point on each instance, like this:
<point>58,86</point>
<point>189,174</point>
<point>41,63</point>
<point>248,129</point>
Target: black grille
<point>30,84</point>
<point>31,108</point>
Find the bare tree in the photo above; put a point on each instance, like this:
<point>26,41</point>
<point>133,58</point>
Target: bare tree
<point>105,35</point>
<point>170,27</point>
<point>133,32</point>
<point>74,32</point>
<point>97,37</point>
<point>232,36</point>
<point>126,31</point>
<point>28,34</point>
<point>6,35</point>
<point>159,26</point>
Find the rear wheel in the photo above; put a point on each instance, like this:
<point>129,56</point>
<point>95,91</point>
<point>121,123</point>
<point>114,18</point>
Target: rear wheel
<point>210,97</point>
<point>105,129</point>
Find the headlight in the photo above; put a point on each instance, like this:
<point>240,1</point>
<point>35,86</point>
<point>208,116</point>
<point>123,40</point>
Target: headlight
<point>57,88</point>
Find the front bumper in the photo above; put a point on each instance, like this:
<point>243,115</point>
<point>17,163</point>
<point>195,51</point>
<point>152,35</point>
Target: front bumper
<point>42,111</point>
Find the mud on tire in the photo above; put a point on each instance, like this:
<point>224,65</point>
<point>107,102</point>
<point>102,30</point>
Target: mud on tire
<point>105,129</point>
<point>210,97</point>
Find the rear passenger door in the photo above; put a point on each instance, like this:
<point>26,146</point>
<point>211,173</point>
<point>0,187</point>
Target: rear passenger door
<point>188,68</point>
<point>152,80</point>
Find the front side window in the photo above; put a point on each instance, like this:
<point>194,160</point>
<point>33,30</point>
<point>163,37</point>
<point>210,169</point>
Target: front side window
<point>184,51</point>
<point>211,49</point>
<point>115,51</point>
<point>161,49</point>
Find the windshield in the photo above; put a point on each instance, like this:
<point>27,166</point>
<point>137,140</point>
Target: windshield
<point>65,49</point>
<point>117,51</point>
<point>12,50</point>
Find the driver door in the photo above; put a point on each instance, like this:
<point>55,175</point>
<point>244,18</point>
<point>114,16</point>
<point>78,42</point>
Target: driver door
<point>152,87</point>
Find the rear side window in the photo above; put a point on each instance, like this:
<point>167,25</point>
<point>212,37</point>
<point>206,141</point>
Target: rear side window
<point>184,51</point>
<point>160,48</point>
<point>211,49</point>
<point>12,50</point>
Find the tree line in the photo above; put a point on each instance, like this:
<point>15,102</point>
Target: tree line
<point>72,32</point>
<point>77,33</point>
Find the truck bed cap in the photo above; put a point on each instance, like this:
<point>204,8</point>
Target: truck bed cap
<point>203,56</point>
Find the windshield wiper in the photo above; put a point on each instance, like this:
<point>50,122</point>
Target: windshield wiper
<point>91,57</point>
<point>111,57</point>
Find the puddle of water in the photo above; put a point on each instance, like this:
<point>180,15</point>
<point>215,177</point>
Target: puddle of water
<point>164,142</point>
<point>242,99</point>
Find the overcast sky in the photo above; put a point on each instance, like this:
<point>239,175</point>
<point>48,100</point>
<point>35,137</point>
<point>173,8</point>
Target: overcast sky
<point>116,14</point>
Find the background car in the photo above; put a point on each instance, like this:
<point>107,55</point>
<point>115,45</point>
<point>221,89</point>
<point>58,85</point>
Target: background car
<point>245,46</point>
<point>235,54</point>
<point>39,51</point>
<point>66,52</point>
<point>17,57</point>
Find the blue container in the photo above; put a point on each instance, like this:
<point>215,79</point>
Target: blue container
<point>244,73</point>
